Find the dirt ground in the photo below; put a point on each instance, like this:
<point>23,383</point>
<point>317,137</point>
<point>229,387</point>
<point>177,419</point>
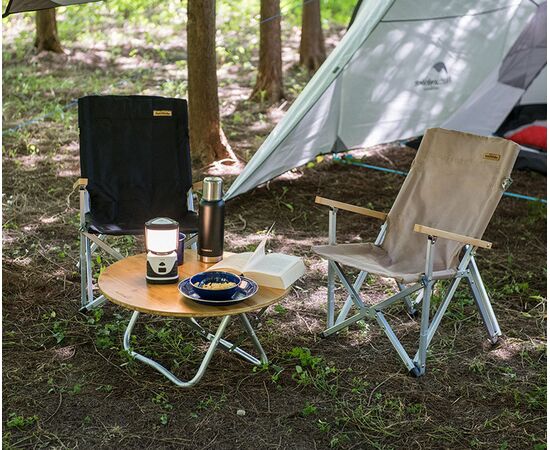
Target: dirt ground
<point>67,384</point>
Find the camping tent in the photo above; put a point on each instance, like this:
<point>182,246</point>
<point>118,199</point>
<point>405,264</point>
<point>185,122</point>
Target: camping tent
<point>408,65</point>
<point>16,6</point>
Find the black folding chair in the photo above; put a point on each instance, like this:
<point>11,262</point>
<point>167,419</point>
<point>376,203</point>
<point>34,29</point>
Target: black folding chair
<point>135,165</point>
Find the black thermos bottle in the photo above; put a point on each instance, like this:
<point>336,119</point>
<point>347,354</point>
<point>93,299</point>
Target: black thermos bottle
<point>211,221</point>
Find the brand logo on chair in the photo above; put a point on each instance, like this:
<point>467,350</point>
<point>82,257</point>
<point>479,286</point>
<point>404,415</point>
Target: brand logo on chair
<point>162,113</point>
<point>492,156</point>
<point>437,76</point>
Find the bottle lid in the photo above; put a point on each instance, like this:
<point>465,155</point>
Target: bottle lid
<point>212,189</point>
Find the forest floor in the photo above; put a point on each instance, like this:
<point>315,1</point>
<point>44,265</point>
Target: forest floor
<point>67,384</point>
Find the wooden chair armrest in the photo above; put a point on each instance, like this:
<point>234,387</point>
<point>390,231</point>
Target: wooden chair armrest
<point>351,208</point>
<point>80,183</point>
<point>452,236</point>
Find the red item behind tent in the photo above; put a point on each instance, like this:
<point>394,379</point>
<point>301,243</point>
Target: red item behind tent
<point>532,135</point>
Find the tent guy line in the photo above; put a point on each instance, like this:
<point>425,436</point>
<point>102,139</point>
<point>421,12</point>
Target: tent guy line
<point>345,160</point>
<point>65,107</point>
<point>268,19</point>
<point>445,86</point>
<point>37,119</point>
<point>348,159</point>
<point>386,82</point>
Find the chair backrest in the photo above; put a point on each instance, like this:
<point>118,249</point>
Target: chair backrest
<point>455,184</point>
<point>134,151</point>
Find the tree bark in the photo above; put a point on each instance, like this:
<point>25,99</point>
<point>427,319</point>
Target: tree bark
<point>269,82</point>
<point>312,43</point>
<point>46,32</point>
<point>206,136</point>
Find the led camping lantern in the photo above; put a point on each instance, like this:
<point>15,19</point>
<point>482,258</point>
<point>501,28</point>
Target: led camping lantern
<point>161,243</point>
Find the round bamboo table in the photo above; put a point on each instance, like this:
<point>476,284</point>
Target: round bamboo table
<point>123,283</point>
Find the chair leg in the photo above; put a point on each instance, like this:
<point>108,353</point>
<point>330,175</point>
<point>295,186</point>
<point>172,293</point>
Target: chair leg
<point>426,299</point>
<point>336,270</point>
<point>363,310</point>
<point>396,343</point>
<point>349,301</point>
<point>424,328</point>
<point>191,241</point>
<point>423,292</point>
<point>89,276</point>
<point>330,296</point>
<point>95,303</point>
<point>83,271</point>
<point>438,316</point>
<point>416,366</point>
<point>409,304</point>
<point>483,302</point>
<point>87,300</point>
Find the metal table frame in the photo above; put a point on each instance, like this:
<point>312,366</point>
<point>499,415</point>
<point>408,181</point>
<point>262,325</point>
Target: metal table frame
<point>215,340</point>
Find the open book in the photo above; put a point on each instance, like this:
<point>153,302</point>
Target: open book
<point>274,270</point>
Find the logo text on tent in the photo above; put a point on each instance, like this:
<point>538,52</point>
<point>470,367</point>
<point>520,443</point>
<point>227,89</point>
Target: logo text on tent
<point>438,76</point>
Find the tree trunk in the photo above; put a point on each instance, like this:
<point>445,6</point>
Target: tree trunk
<point>269,82</point>
<point>46,32</point>
<point>312,43</point>
<point>207,139</point>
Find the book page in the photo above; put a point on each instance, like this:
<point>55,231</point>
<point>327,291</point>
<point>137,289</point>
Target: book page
<point>273,264</point>
<point>277,270</point>
<point>274,270</point>
<point>234,263</point>
<point>259,253</point>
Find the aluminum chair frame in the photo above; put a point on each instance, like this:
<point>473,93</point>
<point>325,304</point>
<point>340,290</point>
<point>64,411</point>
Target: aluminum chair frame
<point>423,289</point>
<point>90,242</point>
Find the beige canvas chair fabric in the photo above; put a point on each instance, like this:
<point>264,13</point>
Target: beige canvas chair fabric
<point>455,184</point>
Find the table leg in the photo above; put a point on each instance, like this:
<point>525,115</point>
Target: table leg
<point>214,341</point>
<point>233,347</point>
<point>250,331</point>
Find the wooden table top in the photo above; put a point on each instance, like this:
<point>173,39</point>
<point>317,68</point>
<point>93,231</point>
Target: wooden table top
<point>124,283</point>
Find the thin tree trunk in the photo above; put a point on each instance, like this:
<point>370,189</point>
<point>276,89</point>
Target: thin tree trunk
<point>46,32</point>
<point>269,82</point>
<point>207,139</point>
<point>312,43</point>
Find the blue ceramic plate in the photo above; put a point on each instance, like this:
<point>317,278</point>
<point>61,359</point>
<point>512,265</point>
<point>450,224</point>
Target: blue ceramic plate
<point>245,290</point>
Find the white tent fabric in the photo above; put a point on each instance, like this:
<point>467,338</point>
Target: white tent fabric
<point>489,105</point>
<point>537,91</point>
<point>402,67</point>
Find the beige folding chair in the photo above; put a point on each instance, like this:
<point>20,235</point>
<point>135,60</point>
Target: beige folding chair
<point>431,233</point>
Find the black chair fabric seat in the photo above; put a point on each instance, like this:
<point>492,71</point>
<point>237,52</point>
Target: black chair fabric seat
<point>188,224</point>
